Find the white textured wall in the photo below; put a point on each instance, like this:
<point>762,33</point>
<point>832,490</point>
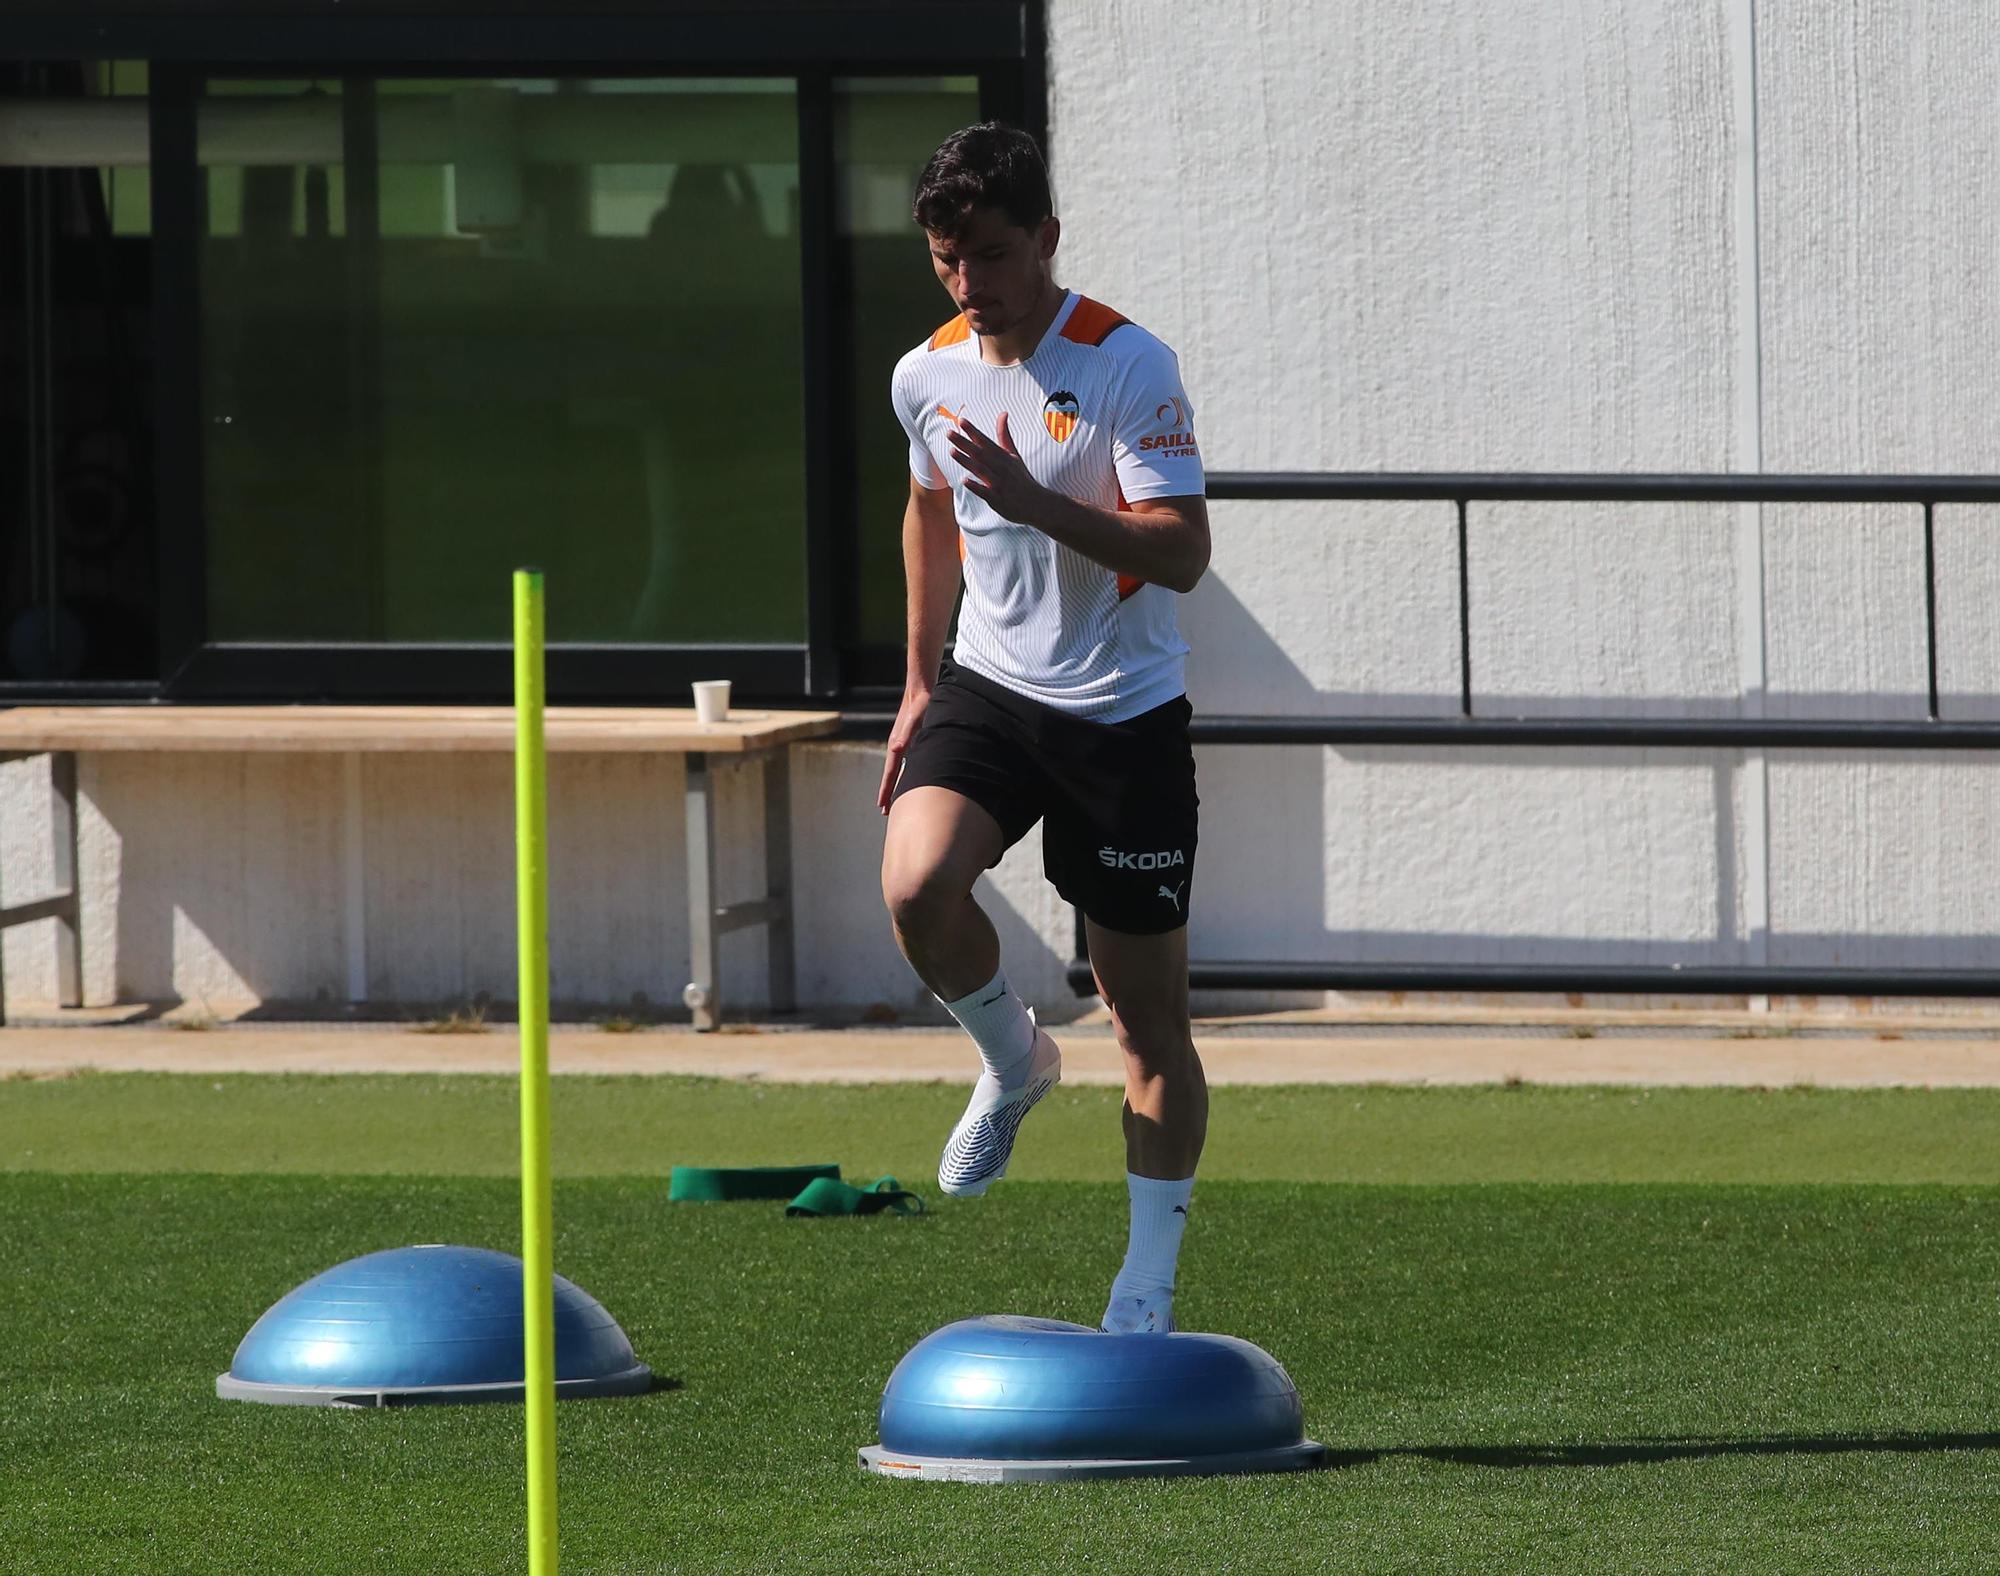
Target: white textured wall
<point>27,956</point>
<point>224,880</point>
<point>1425,234</point>
<point>1430,234</point>
<point>1516,235</point>
<point>1878,146</point>
<point>1439,236</point>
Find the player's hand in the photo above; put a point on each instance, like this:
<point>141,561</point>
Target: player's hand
<point>996,472</point>
<point>908,716</point>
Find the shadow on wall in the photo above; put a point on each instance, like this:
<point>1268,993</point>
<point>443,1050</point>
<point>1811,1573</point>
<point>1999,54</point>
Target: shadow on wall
<point>1537,856</point>
<point>225,873</point>
<point>280,879</point>
<point>847,951</point>
<point>1260,872</point>
<point>225,881</point>
<point>27,871</point>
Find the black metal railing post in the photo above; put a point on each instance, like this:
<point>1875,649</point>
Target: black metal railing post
<point>1464,612</point>
<point>1930,605</point>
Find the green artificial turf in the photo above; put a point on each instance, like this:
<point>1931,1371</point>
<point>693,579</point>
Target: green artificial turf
<point>1512,1378</point>
<point>1542,1330</point>
<point>464,1125</point>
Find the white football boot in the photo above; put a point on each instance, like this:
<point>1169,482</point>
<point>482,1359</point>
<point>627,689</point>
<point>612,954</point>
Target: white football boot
<point>1139,1313</point>
<point>975,1156</point>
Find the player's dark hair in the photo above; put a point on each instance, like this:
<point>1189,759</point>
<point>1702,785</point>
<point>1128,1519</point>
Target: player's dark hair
<point>990,165</point>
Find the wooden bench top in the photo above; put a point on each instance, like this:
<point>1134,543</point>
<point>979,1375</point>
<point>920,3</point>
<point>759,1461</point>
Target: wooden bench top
<point>341,729</point>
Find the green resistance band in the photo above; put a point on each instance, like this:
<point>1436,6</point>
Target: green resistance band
<point>721,1184</point>
<point>831,1196</point>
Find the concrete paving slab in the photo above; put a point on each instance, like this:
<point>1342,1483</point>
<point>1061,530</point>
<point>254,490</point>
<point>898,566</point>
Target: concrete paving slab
<point>897,1055</point>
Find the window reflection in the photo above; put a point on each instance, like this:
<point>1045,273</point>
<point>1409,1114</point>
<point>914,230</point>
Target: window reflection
<point>544,324</point>
<point>885,131</point>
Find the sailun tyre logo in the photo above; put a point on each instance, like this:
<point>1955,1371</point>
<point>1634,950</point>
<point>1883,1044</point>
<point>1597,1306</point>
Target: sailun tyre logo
<point>1176,443</point>
<point>1060,412</point>
<point>1165,859</point>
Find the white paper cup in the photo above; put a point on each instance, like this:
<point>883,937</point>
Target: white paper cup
<point>711,699</point>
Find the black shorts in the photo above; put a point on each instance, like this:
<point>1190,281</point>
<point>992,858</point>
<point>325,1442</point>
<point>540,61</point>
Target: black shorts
<point>1116,800</point>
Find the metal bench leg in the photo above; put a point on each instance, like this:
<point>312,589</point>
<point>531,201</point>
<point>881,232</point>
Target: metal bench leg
<point>69,920</point>
<point>703,994</point>
<point>709,920</point>
<point>778,877</point>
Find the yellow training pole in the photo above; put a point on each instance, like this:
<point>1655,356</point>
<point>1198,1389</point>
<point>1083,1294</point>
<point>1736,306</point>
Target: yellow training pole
<point>532,897</point>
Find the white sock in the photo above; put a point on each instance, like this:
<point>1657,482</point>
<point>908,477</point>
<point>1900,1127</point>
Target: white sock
<point>1153,1250</point>
<point>998,1023</point>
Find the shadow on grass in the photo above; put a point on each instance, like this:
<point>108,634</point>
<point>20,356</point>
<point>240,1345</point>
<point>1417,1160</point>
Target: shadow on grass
<point>1637,1451</point>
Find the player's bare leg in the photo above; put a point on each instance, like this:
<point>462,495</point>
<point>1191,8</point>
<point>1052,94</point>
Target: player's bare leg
<point>938,843</point>
<point>1143,980</point>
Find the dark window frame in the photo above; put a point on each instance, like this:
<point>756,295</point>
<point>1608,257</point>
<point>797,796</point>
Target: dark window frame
<point>815,45</point>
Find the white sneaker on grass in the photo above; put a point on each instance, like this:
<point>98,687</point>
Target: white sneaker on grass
<point>1139,1313</point>
<point>975,1156</point>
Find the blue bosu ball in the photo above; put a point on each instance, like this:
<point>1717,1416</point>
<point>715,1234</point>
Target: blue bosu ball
<point>1008,1399</point>
<point>430,1323</point>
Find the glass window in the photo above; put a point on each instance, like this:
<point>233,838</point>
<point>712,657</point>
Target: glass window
<point>128,186</point>
<point>885,132</point>
<point>77,589</point>
<point>450,327</point>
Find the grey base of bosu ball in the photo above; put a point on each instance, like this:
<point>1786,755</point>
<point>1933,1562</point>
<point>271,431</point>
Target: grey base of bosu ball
<point>1005,1399</point>
<point>434,1323</point>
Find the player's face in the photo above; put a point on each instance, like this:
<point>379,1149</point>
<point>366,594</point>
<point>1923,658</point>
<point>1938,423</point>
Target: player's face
<point>994,271</point>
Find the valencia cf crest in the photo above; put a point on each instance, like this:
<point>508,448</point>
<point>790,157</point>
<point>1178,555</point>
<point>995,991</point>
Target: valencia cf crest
<point>1059,414</point>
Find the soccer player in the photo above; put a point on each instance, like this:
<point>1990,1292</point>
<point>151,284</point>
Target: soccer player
<point>1052,450</point>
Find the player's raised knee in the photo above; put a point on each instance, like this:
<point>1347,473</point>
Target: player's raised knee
<point>919,894</point>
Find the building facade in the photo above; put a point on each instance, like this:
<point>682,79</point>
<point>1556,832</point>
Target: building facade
<point>327,323</point>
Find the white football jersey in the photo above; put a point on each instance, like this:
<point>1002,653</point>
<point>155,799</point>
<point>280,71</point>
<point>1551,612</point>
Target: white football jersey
<point>1099,414</point>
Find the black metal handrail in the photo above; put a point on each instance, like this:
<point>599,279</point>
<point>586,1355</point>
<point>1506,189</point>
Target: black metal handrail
<point>1465,488</point>
<point>1601,487</point>
<point>1672,979</point>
